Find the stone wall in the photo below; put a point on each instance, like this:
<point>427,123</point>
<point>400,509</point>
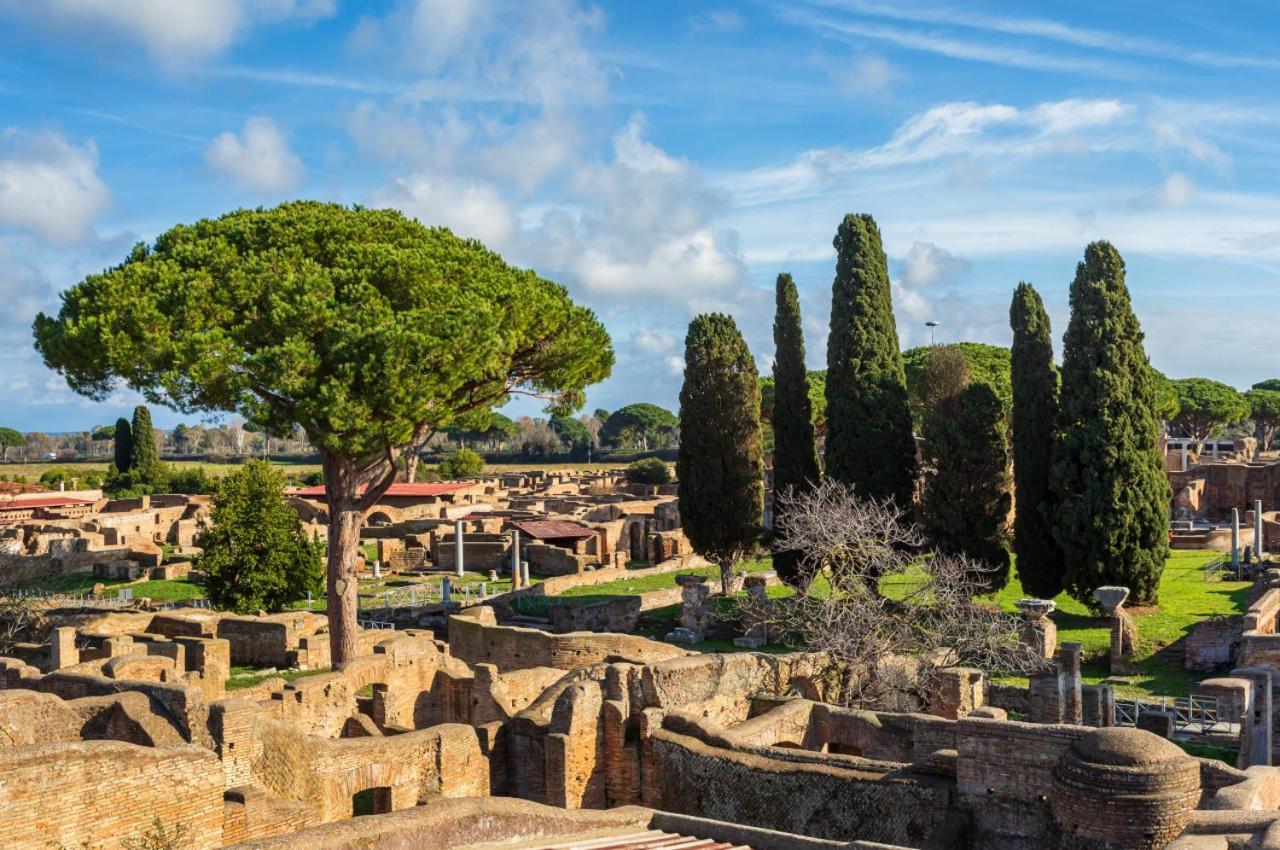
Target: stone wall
<point>97,794</point>
<point>821,800</point>
<point>620,614</point>
<point>475,638</point>
<point>443,760</point>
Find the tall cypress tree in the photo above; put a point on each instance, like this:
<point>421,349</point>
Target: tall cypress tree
<point>123,446</point>
<point>720,466</point>
<point>795,456</point>
<point>869,441</point>
<point>1111,515</point>
<point>1035,412</point>
<point>966,501</point>
<point>144,459</point>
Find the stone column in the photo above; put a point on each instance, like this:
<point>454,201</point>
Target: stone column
<point>457,549</point>
<point>757,629</point>
<point>1072,699</point>
<point>694,614</point>
<point>1235,538</point>
<point>1038,631</point>
<point>446,591</point>
<point>1184,455</point>
<point>960,692</point>
<point>62,648</point>
<point>1257,530</point>
<point>1255,725</point>
<point>1123,632</point>
<point>515,559</point>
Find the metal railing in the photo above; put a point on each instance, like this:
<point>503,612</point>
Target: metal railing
<point>376,624</point>
<point>1201,714</point>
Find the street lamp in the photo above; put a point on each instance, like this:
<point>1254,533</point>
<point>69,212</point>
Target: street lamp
<point>931,326</point>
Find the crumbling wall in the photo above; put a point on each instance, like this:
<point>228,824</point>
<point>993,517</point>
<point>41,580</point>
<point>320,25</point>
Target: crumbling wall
<point>97,794</point>
<point>444,760</point>
<point>475,638</point>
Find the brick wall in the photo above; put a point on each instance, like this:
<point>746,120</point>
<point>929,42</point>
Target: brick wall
<point>475,638</point>
<point>100,793</point>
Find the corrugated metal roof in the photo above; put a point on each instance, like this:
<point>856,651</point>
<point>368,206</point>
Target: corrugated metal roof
<point>398,489</point>
<point>550,529</point>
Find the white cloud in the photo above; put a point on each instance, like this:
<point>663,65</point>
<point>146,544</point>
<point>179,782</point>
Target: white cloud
<point>1171,135</point>
<point>258,159</point>
<point>469,208</point>
<point>176,35</point>
<point>653,341</point>
<point>48,185</point>
<point>961,130</point>
<point>927,264</point>
<point>675,365</point>
<point>1177,190</point>
<point>864,74</point>
<point>514,50</point>
<point>718,20</point>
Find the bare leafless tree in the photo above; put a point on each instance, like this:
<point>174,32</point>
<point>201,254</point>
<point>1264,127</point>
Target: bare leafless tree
<point>887,614</point>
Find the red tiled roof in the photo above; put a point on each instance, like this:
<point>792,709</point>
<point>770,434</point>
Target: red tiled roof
<point>42,502</point>
<point>551,529</point>
<point>397,489</point>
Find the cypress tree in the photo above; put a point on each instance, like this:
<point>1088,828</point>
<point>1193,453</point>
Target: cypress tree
<point>869,441</point>
<point>1111,515</point>
<point>720,465</point>
<point>123,446</point>
<point>144,459</point>
<point>1035,412</point>
<point>795,456</point>
<point>966,501</point>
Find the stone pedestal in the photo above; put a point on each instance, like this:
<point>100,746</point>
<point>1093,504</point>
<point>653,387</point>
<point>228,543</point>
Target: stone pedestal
<point>1098,705</point>
<point>1038,631</point>
<point>62,648</point>
<point>695,613</point>
<point>1156,722</point>
<point>755,614</point>
<point>1124,633</point>
<point>1255,724</point>
<point>1069,665</point>
<point>960,692</point>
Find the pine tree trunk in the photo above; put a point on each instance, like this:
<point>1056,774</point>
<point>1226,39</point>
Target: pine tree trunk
<point>411,467</point>
<point>345,519</point>
<point>726,573</point>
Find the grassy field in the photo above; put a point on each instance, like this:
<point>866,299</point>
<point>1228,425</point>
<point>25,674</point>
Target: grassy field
<point>1186,598</point>
<point>161,590</point>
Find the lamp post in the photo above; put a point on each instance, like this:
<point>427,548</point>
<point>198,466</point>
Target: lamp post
<point>931,326</point>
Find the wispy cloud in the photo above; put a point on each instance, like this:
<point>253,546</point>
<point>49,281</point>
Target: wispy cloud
<point>1051,30</point>
<point>954,48</point>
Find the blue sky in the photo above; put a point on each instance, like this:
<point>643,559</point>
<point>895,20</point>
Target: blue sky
<point>666,158</point>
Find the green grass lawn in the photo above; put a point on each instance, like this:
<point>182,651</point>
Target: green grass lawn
<point>161,590</point>
<point>1185,598</point>
<point>247,677</point>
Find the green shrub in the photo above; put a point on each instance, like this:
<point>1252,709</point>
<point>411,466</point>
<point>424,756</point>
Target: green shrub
<point>461,463</point>
<point>191,481</point>
<point>651,470</point>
